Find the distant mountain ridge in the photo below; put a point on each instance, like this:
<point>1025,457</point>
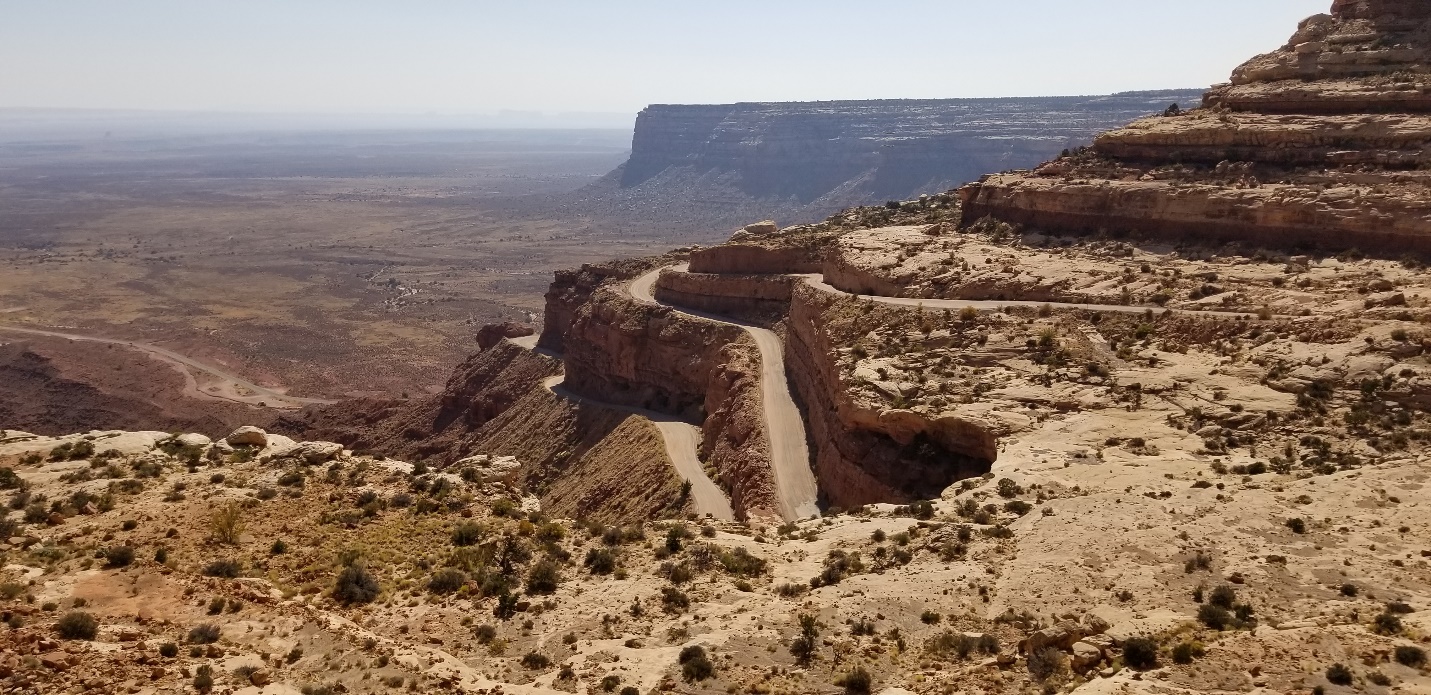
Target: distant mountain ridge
<point>806,159</point>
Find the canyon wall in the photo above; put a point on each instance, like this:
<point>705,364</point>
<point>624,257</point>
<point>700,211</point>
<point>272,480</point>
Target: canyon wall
<point>1322,143</point>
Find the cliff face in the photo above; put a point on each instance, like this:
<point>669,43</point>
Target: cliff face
<point>853,152</point>
<point>1320,143</point>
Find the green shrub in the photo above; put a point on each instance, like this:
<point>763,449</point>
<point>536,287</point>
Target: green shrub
<point>856,681</point>
<point>600,560</point>
<point>1185,652</point>
<point>119,556</point>
<point>468,533</point>
<point>695,665</point>
<point>355,585</point>
<point>77,625</point>
<point>168,650</point>
<point>1339,674</point>
<point>536,660</point>
<point>543,577</point>
<point>1140,653</point>
<point>207,633</point>
<point>446,581</point>
<point>204,678</point>
<point>227,568</point>
<point>1213,616</point>
<point>1415,657</point>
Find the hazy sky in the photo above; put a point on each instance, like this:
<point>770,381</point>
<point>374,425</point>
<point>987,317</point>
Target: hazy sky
<point>473,56</point>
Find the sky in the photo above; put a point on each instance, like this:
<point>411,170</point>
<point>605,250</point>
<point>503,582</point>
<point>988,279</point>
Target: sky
<point>610,56</point>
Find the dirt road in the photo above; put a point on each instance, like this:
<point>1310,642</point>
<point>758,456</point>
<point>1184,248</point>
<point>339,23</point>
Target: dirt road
<point>682,442</point>
<point>228,388</point>
<point>795,485</point>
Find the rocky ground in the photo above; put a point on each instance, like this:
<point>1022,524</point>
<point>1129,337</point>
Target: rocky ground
<point>281,567</point>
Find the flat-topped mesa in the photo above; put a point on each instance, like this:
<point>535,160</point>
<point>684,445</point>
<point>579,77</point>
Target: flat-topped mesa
<point>1380,9</point>
<point>1324,142</point>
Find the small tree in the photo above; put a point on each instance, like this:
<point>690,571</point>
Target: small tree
<point>803,646</point>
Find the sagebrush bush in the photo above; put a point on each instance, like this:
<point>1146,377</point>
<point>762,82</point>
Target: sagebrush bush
<point>77,625</point>
<point>226,568</point>
<point>695,665</point>
<point>207,633</point>
<point>355,585</point>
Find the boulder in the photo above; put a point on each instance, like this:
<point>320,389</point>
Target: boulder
<point>762,227</point>
<point>491,469</point>
<point>315,452</point>
<point>1085,656</point>
<point>260,678</point>
<point>193,440</point>
<point>247,435</point>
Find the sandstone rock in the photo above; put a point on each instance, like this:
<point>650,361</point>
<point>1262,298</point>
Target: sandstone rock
<point>762,227</point>
<point>1385,299</point>
<point>1085,656</point>
<point>491,469</point>
<point>193,440</point>
<point>260,678</point>
<point>248,435</point>
<point>311,453</point>
<point>494,333</point>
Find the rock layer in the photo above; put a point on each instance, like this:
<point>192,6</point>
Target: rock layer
<point>1320,143</point>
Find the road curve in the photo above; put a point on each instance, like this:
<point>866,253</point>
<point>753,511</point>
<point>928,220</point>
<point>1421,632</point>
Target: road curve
<point>267,397</point>
<point>682,441</point>
<point>818,282</point>
<point>795,487</point>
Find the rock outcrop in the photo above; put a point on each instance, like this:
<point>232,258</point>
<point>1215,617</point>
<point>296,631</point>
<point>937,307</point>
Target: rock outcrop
<point>1320,143</point>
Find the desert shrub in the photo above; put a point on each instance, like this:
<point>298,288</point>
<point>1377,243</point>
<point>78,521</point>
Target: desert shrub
<point>878,536</point>
<point>1297,524</point>
<point>226,524</point>
<point>208,633</point>
<point>741,563</point>
<point>1019,507</point>
<point>216,605</point>
<point>1008,488</point>
<point>1140,653</point>
<point>543,577</point>
<point>505,507</point>
<point>1407,655</point>
<point>1200,561</point>
<point>695,665</point>
<point>355,585</point>
<point>168,650</point>
<point>957,644</point>
<point>119,556</point>
<point>1387,624</point>
<point>551,532</point>
<point>600,561</point>
<point>204,678</point>
<point>446,580</point>
<point>922,509</point>
<point>1213,616</point>
<point>856,681</point>
<point>278,548</point>
<point>226,568</point>
<point>1223,596</point>
<point>674,600</point>
<point>1185,652</point>
<point>77,625</point>
<point>485,633</point>
<point>676,573</point>
<point>609,683</point>
<point>789,590</point>
<point>1399,607</point>
<point>929,617</point>
<point>1339,674</point>
<point>1044,663</point>
<point>467,533</point>
<point>536,660</point>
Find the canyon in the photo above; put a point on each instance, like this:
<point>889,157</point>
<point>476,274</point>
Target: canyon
<point>1128,422</point>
